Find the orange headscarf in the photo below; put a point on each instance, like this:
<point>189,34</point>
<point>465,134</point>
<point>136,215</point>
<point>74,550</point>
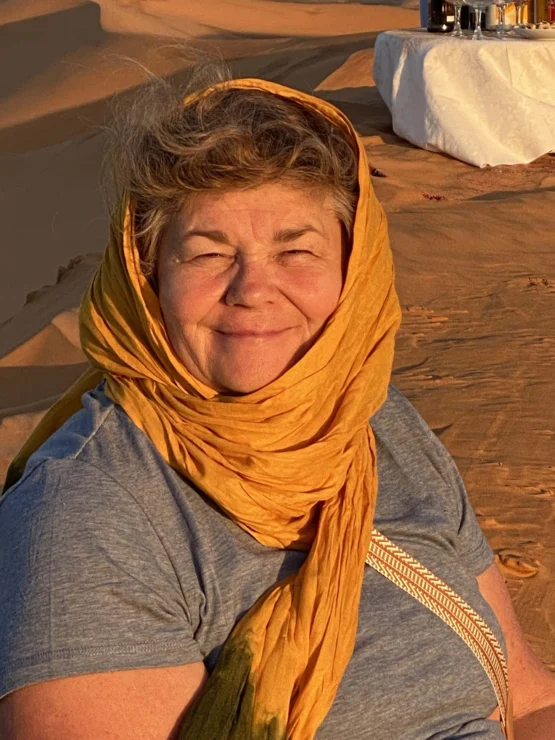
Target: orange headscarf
<point>293,464</point>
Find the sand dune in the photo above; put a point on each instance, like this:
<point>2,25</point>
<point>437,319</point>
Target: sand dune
<point>474,252</point>
<point>66,59</point>
<point>252,16</point>
<point>18,10</point>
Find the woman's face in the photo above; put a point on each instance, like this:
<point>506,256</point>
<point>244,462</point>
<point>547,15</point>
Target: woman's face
<point>247,280</point>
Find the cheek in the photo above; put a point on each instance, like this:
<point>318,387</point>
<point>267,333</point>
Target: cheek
<point>185,302</point>
<point>316,294</point>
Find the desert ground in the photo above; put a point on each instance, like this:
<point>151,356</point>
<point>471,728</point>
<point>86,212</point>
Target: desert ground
<point>474,248</point>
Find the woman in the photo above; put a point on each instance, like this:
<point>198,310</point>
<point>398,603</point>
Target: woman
<point>185,555</point>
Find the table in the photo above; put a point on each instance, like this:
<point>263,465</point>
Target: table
<point>485,102</point>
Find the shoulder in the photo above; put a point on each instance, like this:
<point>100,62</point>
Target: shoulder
<point>98,455</point>
<point>401,429</point>
<point>403,434</point>
<point>101,435</point>
<point>411,456</point>
<point>398,415</point>
<point>68,506</point>
<point>90,584</point>
<point>84,479</point>
<point>420,485</point>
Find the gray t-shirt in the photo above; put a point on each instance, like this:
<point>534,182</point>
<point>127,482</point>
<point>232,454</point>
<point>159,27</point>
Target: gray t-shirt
<point>110,560</point>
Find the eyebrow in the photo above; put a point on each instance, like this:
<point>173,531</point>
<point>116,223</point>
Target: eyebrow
<point>289,235</point>
<point>214,235</point>
<point>283,236</point>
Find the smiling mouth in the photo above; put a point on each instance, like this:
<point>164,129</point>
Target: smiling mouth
<point>251,334</point>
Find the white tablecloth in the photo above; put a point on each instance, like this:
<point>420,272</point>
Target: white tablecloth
<point>484,102</point>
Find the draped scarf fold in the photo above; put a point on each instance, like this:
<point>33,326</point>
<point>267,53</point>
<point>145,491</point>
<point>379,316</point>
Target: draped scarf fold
<point>293,464</point>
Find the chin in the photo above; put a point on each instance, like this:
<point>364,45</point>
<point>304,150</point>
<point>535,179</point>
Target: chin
<point>247,380</point>
<point>243,386</point>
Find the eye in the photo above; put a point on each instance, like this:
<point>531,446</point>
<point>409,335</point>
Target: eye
<point>297,253</point>
<point>211,257</point>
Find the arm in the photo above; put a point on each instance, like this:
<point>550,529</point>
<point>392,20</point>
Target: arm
<point>145,704</point>
<point>532,685</point>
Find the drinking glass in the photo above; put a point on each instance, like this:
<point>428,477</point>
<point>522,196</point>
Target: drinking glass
<point>501,4</point>
<point>479,7</point>
<point>457,31</point>
<point>519,5</point>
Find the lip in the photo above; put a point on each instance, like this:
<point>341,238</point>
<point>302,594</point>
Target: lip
<point>251,333</point>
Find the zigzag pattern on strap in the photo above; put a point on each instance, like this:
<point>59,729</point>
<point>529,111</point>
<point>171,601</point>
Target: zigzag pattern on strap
<point>414,578</point>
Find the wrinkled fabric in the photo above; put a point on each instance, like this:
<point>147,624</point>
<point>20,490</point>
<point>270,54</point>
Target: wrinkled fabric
<point>293,464</point>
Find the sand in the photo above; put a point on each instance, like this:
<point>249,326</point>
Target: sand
<point>474,249</point>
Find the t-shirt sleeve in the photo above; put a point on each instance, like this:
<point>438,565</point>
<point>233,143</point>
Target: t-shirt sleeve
<point>86,585</point>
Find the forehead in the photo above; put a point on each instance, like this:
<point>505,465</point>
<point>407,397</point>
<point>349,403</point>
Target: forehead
<point>266,205</point>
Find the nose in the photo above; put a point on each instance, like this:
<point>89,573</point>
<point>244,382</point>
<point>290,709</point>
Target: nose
<point>251,285</point>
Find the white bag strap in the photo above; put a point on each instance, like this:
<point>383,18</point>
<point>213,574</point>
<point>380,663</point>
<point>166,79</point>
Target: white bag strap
<point>414,578</point>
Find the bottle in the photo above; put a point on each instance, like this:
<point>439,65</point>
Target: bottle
<point>545,11</point>
<point>491,18</point>
<point>441,16</point>
<point>510,13</point>
<point>466,18</point>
